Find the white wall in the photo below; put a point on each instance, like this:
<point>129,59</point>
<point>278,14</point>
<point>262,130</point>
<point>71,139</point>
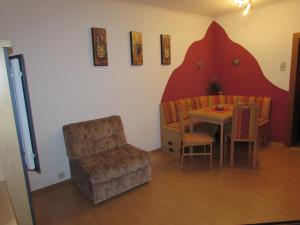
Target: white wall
<point>2,44</point>
<point>1,173</point>
<point>65,87</point>
<point>267,33</point>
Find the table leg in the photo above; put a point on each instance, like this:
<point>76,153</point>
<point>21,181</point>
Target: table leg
<point>191,125</point>
<point>191,130</point>
<point>221,144</point>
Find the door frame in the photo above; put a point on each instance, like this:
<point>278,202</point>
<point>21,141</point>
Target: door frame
<point>290,139</point>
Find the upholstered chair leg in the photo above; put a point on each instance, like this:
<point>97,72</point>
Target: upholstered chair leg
<point>177,145</point>
<point>231,153</point>
<point>191,151</point>
<point>249,148</point>
<point>254,154</point>
<point>182,157</point>
<point>180,153</point>
<point>249,151</point>
<point>211,162</point>
<point>225,145</point>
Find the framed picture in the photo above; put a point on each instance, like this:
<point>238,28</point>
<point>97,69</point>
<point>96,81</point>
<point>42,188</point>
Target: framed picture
<point>136,45</point>
<point>99,46</point>
<point>165,45</point>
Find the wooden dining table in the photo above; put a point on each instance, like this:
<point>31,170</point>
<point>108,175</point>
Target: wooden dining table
<point>216,114</point>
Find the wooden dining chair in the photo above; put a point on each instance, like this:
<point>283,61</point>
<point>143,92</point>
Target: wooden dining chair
<point>192,139</point>
<point>245,128</point>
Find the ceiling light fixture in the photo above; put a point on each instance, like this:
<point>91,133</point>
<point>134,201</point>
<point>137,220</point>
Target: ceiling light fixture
<point>246,4</point>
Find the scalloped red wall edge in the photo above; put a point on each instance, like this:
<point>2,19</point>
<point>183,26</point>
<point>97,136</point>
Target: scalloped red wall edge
<point>216,53</point>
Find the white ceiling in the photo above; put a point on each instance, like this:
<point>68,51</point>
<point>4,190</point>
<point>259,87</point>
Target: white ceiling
<point>212,8</point>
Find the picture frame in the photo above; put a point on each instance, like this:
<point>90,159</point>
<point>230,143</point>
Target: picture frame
<point>99,40</point>
<point>165,46</point>
<point>136,47</point>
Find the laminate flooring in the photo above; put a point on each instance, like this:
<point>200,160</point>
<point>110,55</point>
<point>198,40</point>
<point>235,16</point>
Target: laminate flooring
<point>196,195</point>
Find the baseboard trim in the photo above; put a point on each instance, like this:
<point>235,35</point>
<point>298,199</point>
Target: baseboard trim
<point>295,148</point>
<point>283,145</point>
<point>51,187</point>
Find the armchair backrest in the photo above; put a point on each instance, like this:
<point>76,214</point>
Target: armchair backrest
<point>86,138</point>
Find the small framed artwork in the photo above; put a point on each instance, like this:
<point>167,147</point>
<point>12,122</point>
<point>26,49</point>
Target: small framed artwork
<point>165,45</point>
<point>136,46</point>
<point>99,46</point>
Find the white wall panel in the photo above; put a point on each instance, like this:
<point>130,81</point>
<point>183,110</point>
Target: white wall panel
<point>267,32</point>
<point>65,87</point>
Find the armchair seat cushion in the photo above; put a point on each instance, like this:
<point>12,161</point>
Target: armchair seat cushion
<point>113,163</point>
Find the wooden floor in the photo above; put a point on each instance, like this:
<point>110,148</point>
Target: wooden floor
<point>194,196</point>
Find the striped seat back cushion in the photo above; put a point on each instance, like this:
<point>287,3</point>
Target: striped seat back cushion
<point>170,112</point>
<point>187,104</point>
<point>245,123</point>
<point>209,100</point>
<point>240,98</point>
<point>264,105</point>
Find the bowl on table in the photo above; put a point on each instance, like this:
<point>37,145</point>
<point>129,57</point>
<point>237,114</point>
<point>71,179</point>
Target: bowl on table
<point>219,107</point>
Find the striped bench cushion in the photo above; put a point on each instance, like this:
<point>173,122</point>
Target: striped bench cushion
<point>170,111</point>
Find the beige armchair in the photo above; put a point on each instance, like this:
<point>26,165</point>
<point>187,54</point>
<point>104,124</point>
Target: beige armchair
<point>102,163</point>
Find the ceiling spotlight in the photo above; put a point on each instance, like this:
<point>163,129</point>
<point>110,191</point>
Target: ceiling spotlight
<point>247,9</point>
<point>246,4</point>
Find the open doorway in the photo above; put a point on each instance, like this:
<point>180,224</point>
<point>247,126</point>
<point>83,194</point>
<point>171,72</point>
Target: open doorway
<point>293,128</point>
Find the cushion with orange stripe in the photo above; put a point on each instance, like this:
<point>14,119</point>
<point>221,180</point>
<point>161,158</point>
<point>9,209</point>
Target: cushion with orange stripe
<point>188,104</point>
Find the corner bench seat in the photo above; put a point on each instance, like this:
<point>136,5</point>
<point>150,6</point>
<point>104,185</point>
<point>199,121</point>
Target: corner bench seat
<point>169,120</point>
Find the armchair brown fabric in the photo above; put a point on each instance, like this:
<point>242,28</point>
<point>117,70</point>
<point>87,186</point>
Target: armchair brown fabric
<point>102,163</point>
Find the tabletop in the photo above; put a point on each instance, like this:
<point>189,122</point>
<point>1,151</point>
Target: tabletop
<point>213,114</point>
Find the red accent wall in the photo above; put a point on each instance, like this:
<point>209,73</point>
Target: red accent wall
<point>188,79</point>
<point>217,51</point>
